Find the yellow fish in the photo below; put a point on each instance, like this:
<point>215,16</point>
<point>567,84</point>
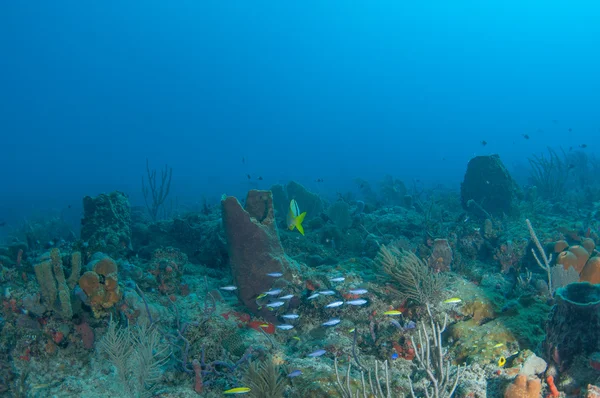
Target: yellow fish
<point>392,313</point>
<point>498,345</point>
<point>501,361</point>
<point>262,295</point>
<point>452,300</point>
<point>264,325</point>
<point>351,330</point>
<point>237,390</point>
<point>296,337</point>
<point>294,218</point>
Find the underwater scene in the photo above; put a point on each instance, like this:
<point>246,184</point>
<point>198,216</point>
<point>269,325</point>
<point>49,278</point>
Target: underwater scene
<point>373,199</point>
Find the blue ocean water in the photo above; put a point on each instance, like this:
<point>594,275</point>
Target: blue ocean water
<point>306,90</point>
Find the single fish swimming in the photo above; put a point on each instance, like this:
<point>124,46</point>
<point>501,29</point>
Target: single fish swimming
<point>331,322</point>
<point>237,390</point>
<point>334,304</point>
<point>228,288</point>
<point>295,218</point>
<point>317,353</point>
<point>327,292</point>
<point>290,316</point>
<point>393,313</point>
<point>339,279</point>
<point>275,304</point>
<point>286,297</point>
<point>275,274</point>
<point>396,324</point>
<point>358,291</point>
<point>295,373</point>
<point>285,326</point>
<point>357,302</point>
<point>453,300</point>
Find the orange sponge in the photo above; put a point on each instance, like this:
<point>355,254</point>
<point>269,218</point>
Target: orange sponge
<point>523,388</point>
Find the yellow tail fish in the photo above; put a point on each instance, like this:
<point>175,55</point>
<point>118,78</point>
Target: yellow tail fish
<point>294,218</point>
<point>237,390</point>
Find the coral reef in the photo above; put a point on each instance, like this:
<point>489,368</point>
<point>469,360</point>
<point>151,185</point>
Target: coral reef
<point>398,293</point>
<point>106,224</point>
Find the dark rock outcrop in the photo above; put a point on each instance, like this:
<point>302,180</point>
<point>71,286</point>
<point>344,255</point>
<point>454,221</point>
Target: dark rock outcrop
<point>488,189</point>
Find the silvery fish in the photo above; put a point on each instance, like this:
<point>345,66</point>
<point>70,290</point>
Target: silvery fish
<point>339,279</point>
<point>228,288</point>
<point>273,292</point>
<point>313,296</point>
<point>275,274</point>
<point>285,326</point>
<point>396,323</point>
<point>331,322</point>
<point>327,292</point>
<point>317,353</point>
<point>358,291</point>
<point>334,304</point>
<point>295,373</point>
<point>357,302</point>
<point>289,296</point>
<point>275,304</point>
<point>291,316</point>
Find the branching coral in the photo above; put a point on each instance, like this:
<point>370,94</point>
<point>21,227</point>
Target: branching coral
<point>430,359</point>
<point>158,193</point>
<point>416,281</point>
<point>370,387</point>
<point>550,174</point>
<point>138,353</point>
<point>544,262</point>
<point>265,380</point>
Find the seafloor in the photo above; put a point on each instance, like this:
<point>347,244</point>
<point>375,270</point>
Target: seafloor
<point>392,291</point>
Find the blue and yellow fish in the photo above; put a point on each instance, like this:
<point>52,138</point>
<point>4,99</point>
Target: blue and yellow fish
<point>295,218</point>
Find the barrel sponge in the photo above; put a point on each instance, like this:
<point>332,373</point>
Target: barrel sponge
<point>591,271</point>
<point>589,244</point>
<point>560,245</point>
<point>582,256</point>
<point>567,259</point>
<point>582,294</point>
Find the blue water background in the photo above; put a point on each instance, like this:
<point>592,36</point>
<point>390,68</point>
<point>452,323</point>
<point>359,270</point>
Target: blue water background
<point>299,90</point>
